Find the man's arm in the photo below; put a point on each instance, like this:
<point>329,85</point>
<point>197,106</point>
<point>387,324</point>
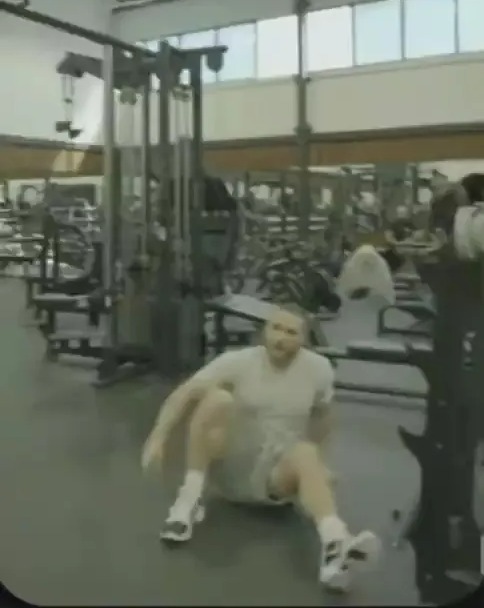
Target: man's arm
<point>322,418</point>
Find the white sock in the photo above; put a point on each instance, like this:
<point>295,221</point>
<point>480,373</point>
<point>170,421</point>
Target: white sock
<point>193,486</point>
<point>331,529</point>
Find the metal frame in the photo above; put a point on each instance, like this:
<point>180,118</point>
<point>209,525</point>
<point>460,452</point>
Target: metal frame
<point>442,529</point>
<point>70,28</point>
<point>173,349</point>
<point>303,128</point>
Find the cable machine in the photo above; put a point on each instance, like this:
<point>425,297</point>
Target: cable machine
<point>169,252</point>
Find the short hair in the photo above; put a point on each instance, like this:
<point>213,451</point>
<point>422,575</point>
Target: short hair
<point>296,310</point>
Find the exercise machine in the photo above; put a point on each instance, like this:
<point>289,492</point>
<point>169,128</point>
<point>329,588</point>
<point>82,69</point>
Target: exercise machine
<point>442,527</point>
<point>161,286</point>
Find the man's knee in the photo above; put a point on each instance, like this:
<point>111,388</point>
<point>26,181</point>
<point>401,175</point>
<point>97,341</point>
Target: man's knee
<point>285,477</point>
<point>304,454</point>
<point>210,421</point>
<point>214,408</point>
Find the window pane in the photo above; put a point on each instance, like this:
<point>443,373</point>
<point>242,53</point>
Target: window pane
<point>239,60</point>
<point>330,44</point>
<point>277,47</point>
<point>429,27</point>
<point>199,39</point>
<point>378,32</point>
<point>471,20</point>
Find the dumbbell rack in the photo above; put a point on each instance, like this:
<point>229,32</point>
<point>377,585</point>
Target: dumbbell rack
<point>443,532</point>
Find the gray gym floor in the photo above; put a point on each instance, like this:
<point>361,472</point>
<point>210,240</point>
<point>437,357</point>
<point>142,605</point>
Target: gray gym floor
<point>79,523</point>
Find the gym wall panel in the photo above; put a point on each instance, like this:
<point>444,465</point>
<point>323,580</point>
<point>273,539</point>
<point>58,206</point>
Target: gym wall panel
<point>458,144</point>
<point>31,100</point>
<point>263,109</point>
<point>408,94</point>
<point>155,20</point>
<point>352,148</point>
<point>421,93</point>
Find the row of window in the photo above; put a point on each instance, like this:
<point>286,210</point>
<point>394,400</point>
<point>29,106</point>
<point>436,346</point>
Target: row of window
<point>368,33</point>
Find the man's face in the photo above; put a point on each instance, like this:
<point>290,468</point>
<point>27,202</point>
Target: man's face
<point>283,336</point>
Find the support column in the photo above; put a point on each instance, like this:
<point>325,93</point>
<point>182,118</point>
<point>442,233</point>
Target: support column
<point>303,128</point>
<point>146,163</point>
<point>110,198</point>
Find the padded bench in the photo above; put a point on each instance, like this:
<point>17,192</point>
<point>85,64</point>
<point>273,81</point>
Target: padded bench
<point>422,313</point>
<point>86,343</point>
<point>61,302</point>
<point>242,307</point>
<point>251,309</point>
<point>23,239</point>
<point>53,303</point>
<point>16,258</point>
<point>378,351</point>
<point>239,306</point>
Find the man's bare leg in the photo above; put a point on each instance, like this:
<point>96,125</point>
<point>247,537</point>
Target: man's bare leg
<point>302,473</point>
<point>207,435</point>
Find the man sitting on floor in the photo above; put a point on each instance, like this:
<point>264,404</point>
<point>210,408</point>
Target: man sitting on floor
<point>260,415</point>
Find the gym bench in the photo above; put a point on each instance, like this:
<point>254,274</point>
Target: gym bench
<point>239,306</point>
<point>378,351</point>
<point>53,303</point>
<point>258,311</point>
<point>421,312</point>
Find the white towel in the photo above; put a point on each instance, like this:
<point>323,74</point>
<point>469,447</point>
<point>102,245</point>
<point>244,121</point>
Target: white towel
<point>366,269</point>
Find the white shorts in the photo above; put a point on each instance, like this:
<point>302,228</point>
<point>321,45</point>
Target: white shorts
<point>244,474</point>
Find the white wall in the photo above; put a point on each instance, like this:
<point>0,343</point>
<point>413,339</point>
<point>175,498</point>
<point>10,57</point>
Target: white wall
<point>425,92</point>
<point>31,99</point>
<point>435,91</point>
<point>155,21</point>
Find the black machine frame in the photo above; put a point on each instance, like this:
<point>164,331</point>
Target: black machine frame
<point>443,530</point>
<point>177,311</point>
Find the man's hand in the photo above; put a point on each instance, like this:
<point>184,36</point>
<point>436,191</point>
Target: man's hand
<point>153,452</point>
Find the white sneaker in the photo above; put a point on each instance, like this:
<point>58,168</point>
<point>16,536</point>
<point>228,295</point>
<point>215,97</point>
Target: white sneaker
<point>341,555</point>
<point>182,517</point>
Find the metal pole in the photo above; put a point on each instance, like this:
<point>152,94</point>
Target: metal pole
<point>165,213</point>
<point>70,28</point>
<point>110,202</point>
<point>146,161</point>
<point>197,173</point>
<point>164,293</point>
<point>303,129</point>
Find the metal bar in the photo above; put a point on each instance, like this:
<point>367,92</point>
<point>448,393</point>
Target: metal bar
<point>456,27</point>
<point>110,192</point>
<point>303,129</point>
<point>196,209</point>
<point>354,39</point>
<point>74,30</point>
<point>380,390</point>
<point>403,30</point>
<point>165,213</point>
<point>197,174</point>
<point>146,161</point>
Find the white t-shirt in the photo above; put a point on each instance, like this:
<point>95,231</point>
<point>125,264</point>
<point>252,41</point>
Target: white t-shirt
<point>285,398</point>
